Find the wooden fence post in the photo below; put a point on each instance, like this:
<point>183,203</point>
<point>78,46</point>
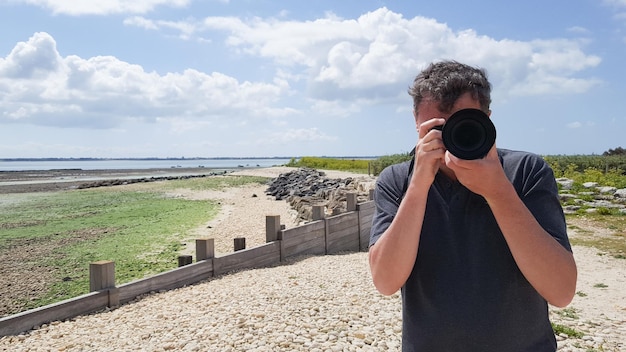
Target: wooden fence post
<point>351,199</point>
<point>184,260</point>
<point>101,275</point>
<point>371,197</point>
<point>272,227</point>
<point>240,243</point>
<point>205,248</point>
<point>317,212</point>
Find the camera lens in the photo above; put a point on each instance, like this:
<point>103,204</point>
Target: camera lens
<point>469,134</point>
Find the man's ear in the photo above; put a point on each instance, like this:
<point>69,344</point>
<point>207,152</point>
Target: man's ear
<point>489,113</point>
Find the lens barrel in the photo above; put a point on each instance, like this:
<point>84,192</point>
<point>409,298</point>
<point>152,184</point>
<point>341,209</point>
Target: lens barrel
<point>469,134</point>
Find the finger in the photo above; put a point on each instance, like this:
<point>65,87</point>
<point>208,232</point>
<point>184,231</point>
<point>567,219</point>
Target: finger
<point>424,128</point>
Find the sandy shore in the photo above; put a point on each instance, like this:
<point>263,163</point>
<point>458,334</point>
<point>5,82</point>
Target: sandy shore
<point>325,303</point>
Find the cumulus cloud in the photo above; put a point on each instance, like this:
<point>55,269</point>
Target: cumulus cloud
<point>39,86</point>
<point>375,55</point>
<point>98,7</point>
<point>343,66</point>
<point>382,49</point>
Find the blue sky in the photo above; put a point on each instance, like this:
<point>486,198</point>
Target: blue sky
<point>214,78</point>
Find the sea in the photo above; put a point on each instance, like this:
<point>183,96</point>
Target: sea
<point>118,164</point>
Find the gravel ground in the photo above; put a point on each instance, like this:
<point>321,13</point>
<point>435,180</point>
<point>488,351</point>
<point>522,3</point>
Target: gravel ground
<point>325,303</point>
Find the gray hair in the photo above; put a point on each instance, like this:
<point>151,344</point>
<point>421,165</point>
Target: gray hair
<point>446,81</point>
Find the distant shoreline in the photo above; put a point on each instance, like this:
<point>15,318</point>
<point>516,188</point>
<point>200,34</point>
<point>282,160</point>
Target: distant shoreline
<point>28,181</point>
<point>181,158</point>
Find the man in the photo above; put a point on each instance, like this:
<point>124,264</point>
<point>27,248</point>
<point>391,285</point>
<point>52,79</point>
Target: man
<point>478,247</point>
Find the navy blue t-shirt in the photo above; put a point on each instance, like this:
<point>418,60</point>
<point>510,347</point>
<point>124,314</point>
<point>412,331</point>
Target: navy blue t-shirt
<point>465,292</point>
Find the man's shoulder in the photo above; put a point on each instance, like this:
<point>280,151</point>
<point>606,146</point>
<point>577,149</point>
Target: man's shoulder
<point>509,156</point>
<point>399,171</point>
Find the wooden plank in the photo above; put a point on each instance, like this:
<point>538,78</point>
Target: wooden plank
<point>303,229</point>
<point>88,303</point>
<point>168,280</point>
<point>305,239</point>
<point>343,233</point>
<point>263,255</point>
<point>366,206</point>
<point>366,216</point>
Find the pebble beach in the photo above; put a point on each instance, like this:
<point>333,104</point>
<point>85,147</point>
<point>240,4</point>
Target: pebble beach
<point>323,303</point>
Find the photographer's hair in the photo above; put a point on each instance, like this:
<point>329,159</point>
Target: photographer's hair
<point>446,81</point>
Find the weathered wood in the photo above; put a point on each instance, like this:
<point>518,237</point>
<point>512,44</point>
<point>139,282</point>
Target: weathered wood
<point>366,215</point>
<point>239,243</point>
<point>168,280</point>
<point>342,233</point>
<point>261,256</point>
<point>272,227</point>
<point>205,248</point>
<point>184,260</point>
<point>306,239</point>
<point>114,297</point>
<point>88,303</point>
<point>351,200</point>
<point>317,212</point>
<point>101,275</point>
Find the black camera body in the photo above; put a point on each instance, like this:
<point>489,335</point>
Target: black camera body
<point>468,134</point>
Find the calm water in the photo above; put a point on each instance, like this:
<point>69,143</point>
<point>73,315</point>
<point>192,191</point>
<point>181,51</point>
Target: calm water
<point>109,164</point>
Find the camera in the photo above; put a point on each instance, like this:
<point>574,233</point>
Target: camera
<point>468,134</point>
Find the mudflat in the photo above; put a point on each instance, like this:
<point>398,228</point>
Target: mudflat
<point>66,179</point>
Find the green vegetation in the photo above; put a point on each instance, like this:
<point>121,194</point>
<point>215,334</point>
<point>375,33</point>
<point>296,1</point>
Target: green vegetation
<point>142,229</point>
<point>562,329</point>
<point>350,165</point>
<point>609,170</point>
<point>568,313</point>
<point>381,163</point>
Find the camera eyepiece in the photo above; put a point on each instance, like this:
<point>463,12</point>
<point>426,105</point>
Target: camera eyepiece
<point>468,134</point>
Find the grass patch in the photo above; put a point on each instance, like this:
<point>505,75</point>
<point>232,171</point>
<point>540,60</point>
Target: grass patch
<point>613,243</point>
<point>562,329</point>
<point>140,229</point>
<point>570,312</point>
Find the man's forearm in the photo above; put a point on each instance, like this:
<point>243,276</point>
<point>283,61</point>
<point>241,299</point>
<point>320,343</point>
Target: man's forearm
<point>393,256</point>
<point>545,263</point>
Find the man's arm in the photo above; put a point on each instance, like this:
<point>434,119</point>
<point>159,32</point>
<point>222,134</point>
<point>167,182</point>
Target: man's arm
<point>546,264</point>
<point>393,256</point>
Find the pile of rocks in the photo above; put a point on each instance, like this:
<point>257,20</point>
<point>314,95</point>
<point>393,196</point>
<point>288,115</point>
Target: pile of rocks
<point>592,198</point>
<point>305,187</point>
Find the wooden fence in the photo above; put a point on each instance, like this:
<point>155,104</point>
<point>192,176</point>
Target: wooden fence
<point>324,235</point>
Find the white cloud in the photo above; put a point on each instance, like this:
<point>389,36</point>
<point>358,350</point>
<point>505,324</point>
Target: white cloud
<point>186,29</point>
<point>383,50</point>
<point>297,136</point>
<point>578,30</point>
<point>574,125</point>
<point>578,124</point>
<point>99,7</point>
<point>38,86</point>
<point>376,55</point>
